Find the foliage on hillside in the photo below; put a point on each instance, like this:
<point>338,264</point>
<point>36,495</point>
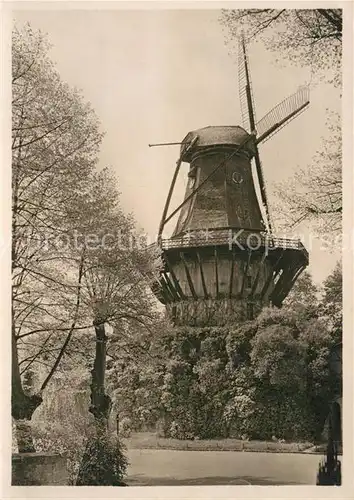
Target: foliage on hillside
<point>264,378</point>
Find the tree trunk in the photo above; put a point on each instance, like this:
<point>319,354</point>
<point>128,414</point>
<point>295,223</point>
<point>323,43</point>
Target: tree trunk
<point>101,403</point>
<point>22,405</point>
<point>103,462</point>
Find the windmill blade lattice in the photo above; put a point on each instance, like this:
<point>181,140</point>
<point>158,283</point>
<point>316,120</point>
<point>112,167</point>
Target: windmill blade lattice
<point>242,90</point>
<point>249,119</point>
<point>282,114</point>
<point>248,112</point>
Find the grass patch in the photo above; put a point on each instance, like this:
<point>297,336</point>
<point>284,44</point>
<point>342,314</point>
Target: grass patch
<point>146,440</point>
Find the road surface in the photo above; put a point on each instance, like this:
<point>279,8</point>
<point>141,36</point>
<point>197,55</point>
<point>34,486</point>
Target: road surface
<point>172,468</point>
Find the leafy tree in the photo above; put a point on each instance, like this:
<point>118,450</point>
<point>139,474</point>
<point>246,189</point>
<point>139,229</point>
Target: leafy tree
<point>212,382</point>
<point>77,264</point>
<point>275,349</point>
<point>115,292</point>
<point>302,303</point>
<point>331,307</point>
<point>262,378</point>
<point>280,359</point>
<point>135,372</point>
<point>303,293</point>
<point>61,424</point>
<point>182,348</point>
<point>319,386</point>
<point>239,410</point>
<point>238,343</point>
<point>194,392</point>
<point>314,193</point>
<point>310,37</point>
<point>55,141</point>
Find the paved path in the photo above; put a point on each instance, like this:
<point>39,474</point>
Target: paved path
<point>172,468</point>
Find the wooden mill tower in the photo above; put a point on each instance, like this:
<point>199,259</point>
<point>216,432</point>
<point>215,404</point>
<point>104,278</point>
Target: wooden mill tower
<point>222,262</point>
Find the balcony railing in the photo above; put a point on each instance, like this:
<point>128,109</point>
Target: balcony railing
<point>232,238</point>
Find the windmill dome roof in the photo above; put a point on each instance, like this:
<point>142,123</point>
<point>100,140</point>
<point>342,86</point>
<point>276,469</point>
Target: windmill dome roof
<point>231,135</point>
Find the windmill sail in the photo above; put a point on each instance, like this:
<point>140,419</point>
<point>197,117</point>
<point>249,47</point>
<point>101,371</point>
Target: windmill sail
<point>206,277</point>
<point>261,182</point>
<point>282,114</point>
<point>248,112</point>
<point>249,118</point>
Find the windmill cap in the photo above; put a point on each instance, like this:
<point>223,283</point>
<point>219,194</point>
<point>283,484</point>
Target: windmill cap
<point>231,135</point>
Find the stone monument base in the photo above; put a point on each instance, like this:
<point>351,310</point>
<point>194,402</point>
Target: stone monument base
<point>39,469</point>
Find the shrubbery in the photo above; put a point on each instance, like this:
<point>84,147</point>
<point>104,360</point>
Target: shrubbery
<point>63,424</point>
<point>104,462</point>
<point>262,379</point>
<point>260,390</point>
<point>55,437</point>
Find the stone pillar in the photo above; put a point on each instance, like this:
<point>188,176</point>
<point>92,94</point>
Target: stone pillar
<point>39,469</point>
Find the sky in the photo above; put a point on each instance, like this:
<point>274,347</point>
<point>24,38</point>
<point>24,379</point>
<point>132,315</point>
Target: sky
<point>154,75</point>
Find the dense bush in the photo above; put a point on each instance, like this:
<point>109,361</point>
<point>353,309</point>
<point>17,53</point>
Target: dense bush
<point>193,394</point>
<point>68,440</point>
<point>236,382</point>
<point>104,462</point>
<point>63,424</point>
<point>262,379</point>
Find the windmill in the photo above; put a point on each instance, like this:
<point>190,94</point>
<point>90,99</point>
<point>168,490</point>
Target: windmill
<point>223,262</point>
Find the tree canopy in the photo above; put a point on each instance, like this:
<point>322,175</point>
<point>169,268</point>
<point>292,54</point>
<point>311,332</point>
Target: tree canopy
<point>78,261</point>
<point>261,378</point>
<point>310,37</point>
<point>55,145</point>
<point>314,193</point>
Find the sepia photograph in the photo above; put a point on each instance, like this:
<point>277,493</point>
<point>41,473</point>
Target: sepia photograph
<point>177,245</point>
